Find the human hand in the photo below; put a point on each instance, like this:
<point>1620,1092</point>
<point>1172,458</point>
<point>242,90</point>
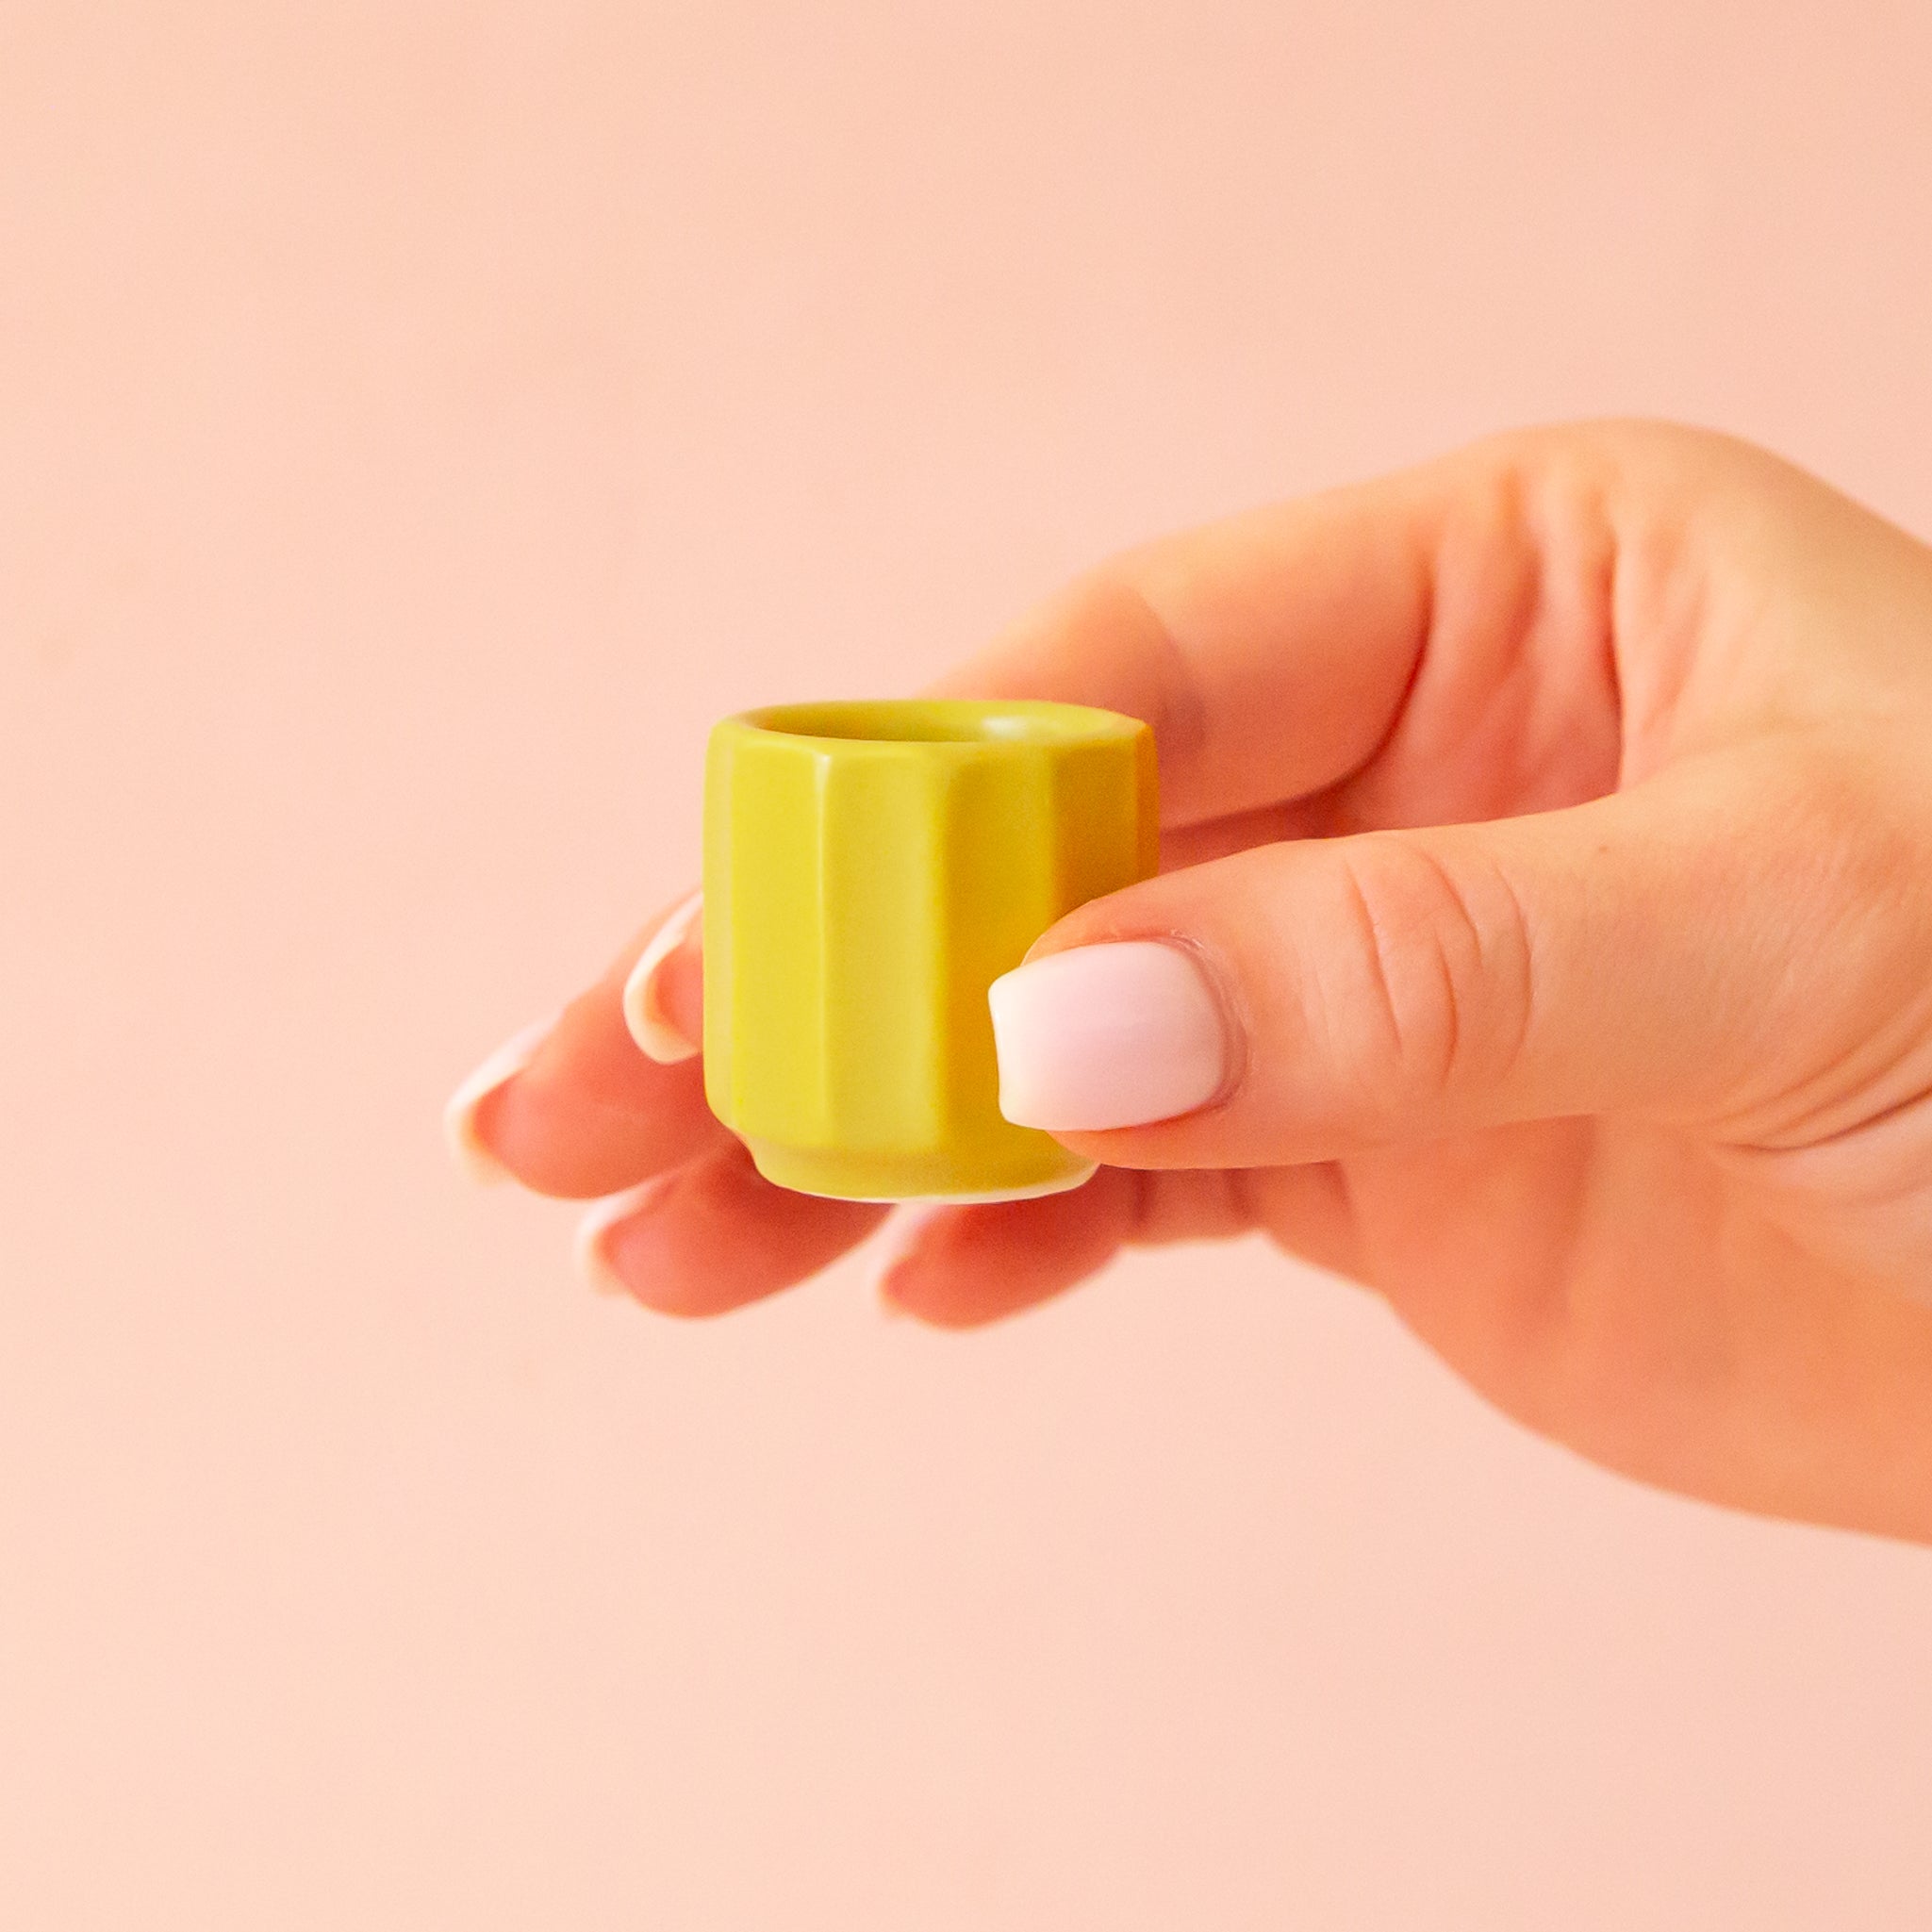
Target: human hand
<point>1548,863</point>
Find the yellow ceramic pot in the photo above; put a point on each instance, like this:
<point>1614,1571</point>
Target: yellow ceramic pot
<point>870,870</point>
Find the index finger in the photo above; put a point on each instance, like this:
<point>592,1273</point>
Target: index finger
<point>1274,653</point>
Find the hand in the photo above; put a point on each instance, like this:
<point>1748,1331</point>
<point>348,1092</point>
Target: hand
<point>1548,853</point>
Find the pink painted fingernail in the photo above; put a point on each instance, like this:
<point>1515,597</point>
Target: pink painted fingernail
<point>595,1230</point>
<point>499,1070</point>
<point>651,1026</point>
<point>1113,1036</point>
<point>897,1242</point>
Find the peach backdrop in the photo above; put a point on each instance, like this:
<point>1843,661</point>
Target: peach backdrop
<point>417,422</point>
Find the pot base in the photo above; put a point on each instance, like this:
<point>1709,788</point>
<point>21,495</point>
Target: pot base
<point>890,1177</point>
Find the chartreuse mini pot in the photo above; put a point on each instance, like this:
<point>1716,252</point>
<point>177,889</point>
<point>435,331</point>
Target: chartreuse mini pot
<point>870,870</point>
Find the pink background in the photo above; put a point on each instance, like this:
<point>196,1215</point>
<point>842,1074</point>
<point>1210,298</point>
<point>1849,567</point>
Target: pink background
<point>417,422</point>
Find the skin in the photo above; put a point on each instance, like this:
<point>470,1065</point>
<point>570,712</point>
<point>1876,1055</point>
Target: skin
<point>1554,821</point>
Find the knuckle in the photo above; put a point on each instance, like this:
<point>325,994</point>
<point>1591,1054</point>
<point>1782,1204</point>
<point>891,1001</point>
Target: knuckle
<point>1435,990</point>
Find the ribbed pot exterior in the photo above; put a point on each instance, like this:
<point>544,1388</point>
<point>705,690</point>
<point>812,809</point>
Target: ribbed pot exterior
<point>870,870</point>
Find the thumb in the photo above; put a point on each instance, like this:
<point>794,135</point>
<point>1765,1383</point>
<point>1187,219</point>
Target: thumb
<point>1690,949</point>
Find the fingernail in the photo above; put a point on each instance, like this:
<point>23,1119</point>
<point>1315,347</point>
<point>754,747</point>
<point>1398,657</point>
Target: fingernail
<point>903,1230</point>
<point>594,1231</point>
<point>1102,1036</point>
<point>459,1115</point>
<point>644,1013</point>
